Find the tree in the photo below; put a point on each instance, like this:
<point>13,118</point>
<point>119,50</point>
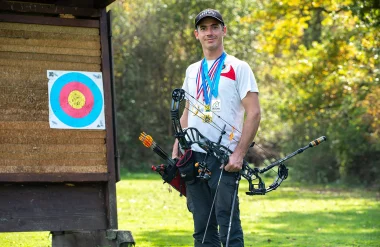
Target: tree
<point>322,59</point>
<point>316,63</point>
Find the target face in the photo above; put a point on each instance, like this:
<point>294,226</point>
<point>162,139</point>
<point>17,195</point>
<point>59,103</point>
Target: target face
<point>76,100</point>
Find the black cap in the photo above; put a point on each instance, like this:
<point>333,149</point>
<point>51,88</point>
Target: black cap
<point>208,13</point>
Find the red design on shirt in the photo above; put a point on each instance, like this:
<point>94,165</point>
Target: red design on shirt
<point>230,73</point>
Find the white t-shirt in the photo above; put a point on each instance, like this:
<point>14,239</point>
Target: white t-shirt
<point>236,80</point>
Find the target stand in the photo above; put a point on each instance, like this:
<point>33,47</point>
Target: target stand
<point>58,155</point>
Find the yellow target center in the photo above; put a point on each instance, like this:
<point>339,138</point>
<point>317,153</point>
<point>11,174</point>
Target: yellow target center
<point>76,99</point>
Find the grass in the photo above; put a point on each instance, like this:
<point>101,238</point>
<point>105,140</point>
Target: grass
<point>290,216</point>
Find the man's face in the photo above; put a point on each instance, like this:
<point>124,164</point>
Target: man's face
<point>210,33</point>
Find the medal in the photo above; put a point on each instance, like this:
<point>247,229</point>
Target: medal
<point>207,117</point>
<point>207,114</point>
<point>208,79</point>
<point>207,84</point>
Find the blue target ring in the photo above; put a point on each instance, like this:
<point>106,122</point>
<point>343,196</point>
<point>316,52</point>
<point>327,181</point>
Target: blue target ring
<point>61,114</point>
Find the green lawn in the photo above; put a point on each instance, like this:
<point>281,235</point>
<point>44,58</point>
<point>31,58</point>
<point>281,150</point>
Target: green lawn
<point>290,216</point>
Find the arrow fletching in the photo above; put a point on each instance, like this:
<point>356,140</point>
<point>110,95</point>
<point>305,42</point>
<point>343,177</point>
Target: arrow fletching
<point>146,140</point>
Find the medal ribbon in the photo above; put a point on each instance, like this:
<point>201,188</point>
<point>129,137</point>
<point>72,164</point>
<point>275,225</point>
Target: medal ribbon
<point>210,79</point>
<point>199,76</point>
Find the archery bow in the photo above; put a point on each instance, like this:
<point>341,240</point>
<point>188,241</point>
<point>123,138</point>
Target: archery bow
<point>190,136</point>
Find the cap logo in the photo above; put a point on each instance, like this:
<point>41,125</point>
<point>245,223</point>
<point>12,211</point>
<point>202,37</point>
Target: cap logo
<point>207,12</point>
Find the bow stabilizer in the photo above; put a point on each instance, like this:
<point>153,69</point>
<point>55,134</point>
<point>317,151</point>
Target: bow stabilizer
<point>282,173</point>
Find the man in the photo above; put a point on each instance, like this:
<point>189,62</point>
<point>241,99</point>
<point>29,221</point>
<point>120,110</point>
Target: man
<point>227,89</point>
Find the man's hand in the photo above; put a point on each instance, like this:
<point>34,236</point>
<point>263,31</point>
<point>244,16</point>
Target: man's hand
<point>235,163</point>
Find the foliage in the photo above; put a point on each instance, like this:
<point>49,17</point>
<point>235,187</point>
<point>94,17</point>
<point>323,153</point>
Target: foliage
<point>153,44</point>
<point>323,60</point>
<point>289,216</point>
<point>316,63</point>
<point>150,57</point>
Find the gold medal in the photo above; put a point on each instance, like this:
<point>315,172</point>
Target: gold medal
<point>207,108</point>
<point>207,117</point>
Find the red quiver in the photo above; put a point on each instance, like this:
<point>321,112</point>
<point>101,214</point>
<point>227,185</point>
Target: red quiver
<point>177,171</point>
<point>170,174</point>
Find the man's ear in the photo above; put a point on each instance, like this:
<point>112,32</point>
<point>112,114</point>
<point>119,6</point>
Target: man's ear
<point>224,30</point>
<point>196,33</point>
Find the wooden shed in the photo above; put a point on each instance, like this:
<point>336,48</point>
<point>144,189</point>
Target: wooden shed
<point>58,180</point>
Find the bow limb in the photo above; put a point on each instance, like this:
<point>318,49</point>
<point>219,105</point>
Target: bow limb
<point>182,124</point>
<point>178,95</point>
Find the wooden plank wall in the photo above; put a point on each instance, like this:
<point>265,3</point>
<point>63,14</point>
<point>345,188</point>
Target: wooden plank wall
<point>27,144</point>
<point>52,207</point>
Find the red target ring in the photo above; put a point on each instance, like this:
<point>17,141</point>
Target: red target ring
<point>76,99</point>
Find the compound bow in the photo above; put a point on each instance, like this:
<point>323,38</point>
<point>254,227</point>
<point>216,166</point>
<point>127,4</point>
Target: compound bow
<point>188,137</point>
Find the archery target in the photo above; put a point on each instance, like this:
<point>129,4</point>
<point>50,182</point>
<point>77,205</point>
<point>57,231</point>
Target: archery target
<point>76,100</point>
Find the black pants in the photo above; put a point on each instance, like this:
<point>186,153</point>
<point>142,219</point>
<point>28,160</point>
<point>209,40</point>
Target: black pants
<point>200,195</point>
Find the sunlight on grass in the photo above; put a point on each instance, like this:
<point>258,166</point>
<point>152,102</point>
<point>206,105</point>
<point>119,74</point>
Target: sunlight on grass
<point>25,239</point>
<point>288,217</point>
<point>153,212</point>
